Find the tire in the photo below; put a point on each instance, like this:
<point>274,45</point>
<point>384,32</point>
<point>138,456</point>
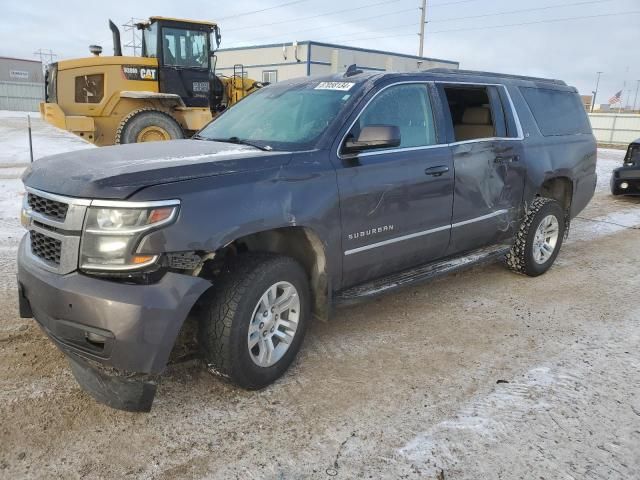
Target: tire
<point>149,124</point>
<point>233,305</point>
<point>525,256</point>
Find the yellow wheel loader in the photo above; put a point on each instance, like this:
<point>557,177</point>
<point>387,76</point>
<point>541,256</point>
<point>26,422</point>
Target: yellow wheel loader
<point>170,92</point>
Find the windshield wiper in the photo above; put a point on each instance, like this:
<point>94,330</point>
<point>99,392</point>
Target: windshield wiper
<point>239,141</point>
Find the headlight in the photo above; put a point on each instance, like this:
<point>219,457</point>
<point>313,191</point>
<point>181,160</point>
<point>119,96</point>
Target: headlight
<point>113,230</point>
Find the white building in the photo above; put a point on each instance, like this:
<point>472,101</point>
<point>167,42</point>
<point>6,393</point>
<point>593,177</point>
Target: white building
<point>275,62</point>
<point>21,84</point>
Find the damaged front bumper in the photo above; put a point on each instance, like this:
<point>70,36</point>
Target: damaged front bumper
<point>117,336</point>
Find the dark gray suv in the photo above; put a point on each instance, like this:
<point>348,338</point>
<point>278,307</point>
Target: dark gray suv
<point>307,194</point>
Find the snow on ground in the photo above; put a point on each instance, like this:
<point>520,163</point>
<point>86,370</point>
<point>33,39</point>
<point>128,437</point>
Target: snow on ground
<point>47,139</point>
<point>558,400</point>
<point>14,157</point>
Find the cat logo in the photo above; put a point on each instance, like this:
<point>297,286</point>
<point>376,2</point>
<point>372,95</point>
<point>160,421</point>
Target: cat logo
<point>148,73</point>
<point>134,72</point>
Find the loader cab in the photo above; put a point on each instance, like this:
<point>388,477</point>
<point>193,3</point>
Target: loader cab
<point>183,49</point>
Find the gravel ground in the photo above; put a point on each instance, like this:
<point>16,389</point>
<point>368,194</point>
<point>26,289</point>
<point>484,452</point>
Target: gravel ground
<point>483,374</point>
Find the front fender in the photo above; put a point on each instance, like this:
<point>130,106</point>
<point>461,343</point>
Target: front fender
<point>215,211</point>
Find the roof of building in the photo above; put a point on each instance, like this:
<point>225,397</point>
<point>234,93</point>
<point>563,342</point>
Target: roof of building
<point>20,59</point>
<point>343,47</point>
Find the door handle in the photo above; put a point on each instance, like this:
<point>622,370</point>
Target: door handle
<point>506,159</point>
<point>436,171</point>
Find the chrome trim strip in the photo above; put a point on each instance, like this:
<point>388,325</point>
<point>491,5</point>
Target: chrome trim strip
<point>119,268</point>
<point>59,198</point>
<point>396,239</point>
<point>405,149</point>
<point>479,219</point>
<point>425,232</point>
<point>426,147</point>
<point>101,203</point>
<point>127,204</point>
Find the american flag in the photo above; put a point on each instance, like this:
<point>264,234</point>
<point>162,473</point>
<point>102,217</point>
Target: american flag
<point>615,98</point>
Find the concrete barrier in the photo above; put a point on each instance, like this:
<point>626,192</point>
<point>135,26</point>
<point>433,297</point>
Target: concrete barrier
<point>615,128</point>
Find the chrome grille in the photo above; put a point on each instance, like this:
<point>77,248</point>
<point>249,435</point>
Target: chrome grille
<point>48,207</point>
<point>44,247</point>
<point>55,228</point>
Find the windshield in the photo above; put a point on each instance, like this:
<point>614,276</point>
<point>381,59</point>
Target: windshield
<point>283,117</point>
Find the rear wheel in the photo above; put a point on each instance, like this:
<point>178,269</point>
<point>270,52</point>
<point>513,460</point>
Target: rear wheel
<point>254,319</point>
<point>539,238</point>
<point>146,125</point>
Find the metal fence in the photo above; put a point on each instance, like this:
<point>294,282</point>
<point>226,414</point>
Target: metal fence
<point>21,96</point>
<point>615,128</point>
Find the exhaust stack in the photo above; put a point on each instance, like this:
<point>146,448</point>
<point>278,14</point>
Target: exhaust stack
<point>117,47</point>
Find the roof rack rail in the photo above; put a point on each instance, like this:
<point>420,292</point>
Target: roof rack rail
<point>493,74</point>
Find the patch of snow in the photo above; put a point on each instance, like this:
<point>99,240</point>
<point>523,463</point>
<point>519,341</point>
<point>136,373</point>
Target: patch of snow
<point>585,228</point>
<point>498,434</point>
<point>11,194</point>
<point>17,114</point>
<point>47,139</point>
<point>604,168</point>
<point>192,158</point>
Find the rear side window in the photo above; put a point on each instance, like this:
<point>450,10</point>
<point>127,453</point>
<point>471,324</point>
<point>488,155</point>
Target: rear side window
<point>556,112</point>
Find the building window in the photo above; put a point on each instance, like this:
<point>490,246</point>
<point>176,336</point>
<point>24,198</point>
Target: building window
<point>269,76</point>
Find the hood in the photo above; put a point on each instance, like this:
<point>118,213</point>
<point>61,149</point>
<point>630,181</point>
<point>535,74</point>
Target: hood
<point>119,171</point>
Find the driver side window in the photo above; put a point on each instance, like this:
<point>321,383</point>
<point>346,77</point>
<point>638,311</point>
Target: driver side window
<point>406,107</point>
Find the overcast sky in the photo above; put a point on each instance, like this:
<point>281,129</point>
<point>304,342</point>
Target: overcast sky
<point>572,50</point>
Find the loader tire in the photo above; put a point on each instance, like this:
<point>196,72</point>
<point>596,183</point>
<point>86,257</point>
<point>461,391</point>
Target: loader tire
<point>147,125</point>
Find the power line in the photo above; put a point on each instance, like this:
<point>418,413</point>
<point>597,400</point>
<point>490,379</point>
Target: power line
<point>261,10</point>
<point>444,4</point>
<point>555,20</point>
<point>46,56</point>
<point>548,7</point>
<point>337,24</point>
<point>486,15</point>
<point>313,16</point>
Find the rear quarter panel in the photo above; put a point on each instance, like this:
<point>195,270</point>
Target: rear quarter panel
<point>546,157</point>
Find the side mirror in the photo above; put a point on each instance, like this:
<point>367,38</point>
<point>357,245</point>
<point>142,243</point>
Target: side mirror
<point>372,137</point>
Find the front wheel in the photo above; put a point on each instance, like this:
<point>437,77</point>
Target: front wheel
<point>254,319</point>
<point>147,125</point>
<point>539,238</point>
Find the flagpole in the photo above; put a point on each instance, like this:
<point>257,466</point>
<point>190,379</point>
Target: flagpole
<point>621,95</point>
<point>624,85</point>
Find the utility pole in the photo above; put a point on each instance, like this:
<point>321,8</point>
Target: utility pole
<point>595,92</point>
<point>423,20</point>
<point>635,100</point>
